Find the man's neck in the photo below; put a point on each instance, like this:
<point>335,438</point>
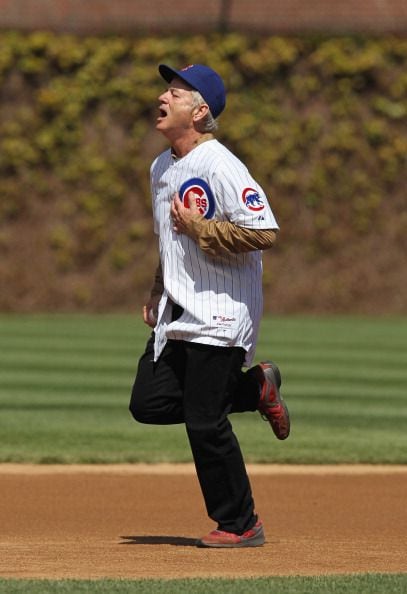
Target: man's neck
<point>182,146</point>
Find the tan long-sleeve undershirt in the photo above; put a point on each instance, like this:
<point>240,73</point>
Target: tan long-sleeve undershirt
<point>217,238</point>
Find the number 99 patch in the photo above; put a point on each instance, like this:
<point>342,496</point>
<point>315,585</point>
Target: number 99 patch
<point>205,200</point>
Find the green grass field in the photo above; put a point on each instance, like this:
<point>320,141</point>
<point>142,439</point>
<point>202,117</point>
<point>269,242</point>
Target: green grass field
<point>65,382</point>
<point>356,584</point>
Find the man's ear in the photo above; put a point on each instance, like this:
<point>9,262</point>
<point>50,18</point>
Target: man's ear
<point>200,112</point>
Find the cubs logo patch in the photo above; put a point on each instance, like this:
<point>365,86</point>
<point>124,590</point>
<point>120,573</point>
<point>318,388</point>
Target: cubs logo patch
<point>199,189</point>
<point>251,199</point>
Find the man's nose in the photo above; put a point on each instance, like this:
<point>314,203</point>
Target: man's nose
<point>163,96</point>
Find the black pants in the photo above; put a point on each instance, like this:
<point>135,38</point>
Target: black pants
<point>199,385</point>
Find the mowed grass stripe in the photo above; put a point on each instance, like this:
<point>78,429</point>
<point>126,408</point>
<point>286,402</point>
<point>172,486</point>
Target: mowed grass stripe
<point>83,357</point>
<point>326,337</point>
<point>296,363</point>
<point>50,378</point>
<point>307,392</point>
<point>302,353</point>
<point>345,373</point>
<point>73,344</point>
<point>81,369</point>
<point>65,329</point>
<point>357,382</point>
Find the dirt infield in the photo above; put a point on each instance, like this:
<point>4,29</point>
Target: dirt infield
<point>141,521</point>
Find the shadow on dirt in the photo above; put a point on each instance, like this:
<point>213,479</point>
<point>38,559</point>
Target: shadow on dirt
<point>178,541</point>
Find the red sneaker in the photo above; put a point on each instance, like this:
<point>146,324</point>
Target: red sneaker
<point>271,405</point>
<point>220,539</point>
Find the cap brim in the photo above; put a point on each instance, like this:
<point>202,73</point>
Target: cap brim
<point>167,72</point>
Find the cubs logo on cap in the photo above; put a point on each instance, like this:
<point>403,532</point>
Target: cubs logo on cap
<point>202,193</point>
<point>252,200</point>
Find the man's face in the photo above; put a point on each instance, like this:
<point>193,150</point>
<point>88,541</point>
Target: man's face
<point>176,107</point>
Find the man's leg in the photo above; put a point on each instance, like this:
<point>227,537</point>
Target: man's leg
<point>157,394</point>
<point>210,378</point>
<point>246,394</point>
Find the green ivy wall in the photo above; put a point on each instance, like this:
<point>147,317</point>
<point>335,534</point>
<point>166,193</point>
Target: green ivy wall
<point>320,122</point>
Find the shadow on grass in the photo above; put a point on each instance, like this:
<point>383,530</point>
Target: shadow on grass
<point>177,541</point>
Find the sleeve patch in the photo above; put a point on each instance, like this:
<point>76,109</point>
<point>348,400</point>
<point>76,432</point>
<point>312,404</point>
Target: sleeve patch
<point>252,200</point>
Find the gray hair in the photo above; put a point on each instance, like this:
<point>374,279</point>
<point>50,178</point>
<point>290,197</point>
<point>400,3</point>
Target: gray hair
<point>208,123</point>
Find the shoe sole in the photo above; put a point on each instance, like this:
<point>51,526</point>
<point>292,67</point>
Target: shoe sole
<point>277,381</point>
<point>276,372</point>
<point>256,541</point>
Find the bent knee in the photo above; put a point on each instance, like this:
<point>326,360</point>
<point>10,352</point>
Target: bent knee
<point>137,409</point>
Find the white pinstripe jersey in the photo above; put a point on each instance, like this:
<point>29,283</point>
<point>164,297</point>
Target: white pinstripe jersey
<point>221,296</point>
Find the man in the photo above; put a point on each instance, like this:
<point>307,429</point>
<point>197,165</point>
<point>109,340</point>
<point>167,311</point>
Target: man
<point>213,220</point>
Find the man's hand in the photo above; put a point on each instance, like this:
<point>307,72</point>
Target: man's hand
<point>150,311</point>
<point>182,216</point>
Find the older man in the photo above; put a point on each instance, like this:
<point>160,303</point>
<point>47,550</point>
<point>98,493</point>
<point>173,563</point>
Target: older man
<point>213,219</point>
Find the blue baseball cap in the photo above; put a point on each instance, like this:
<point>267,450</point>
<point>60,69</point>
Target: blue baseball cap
<point>202,79</point>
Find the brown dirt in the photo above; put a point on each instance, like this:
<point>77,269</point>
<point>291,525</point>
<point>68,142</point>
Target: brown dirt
<point>142,521</point>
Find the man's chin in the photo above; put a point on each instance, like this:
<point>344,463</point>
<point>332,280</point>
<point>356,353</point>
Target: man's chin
<point>160,125</point>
